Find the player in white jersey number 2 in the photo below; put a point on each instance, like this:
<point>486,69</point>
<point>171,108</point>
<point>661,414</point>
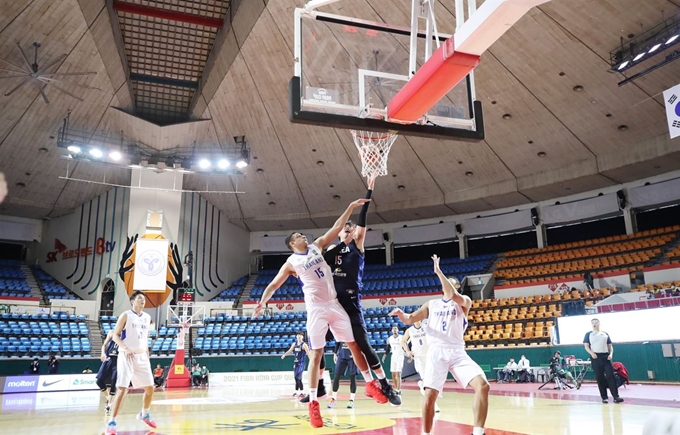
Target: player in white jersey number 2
<point>446,324</point>
<point>323,308</point>
<point>131,334</point>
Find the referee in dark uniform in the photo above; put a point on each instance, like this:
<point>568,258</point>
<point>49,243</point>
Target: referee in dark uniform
<point>599,346</point>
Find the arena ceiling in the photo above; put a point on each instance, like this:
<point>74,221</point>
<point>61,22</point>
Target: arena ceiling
<point>231,67</point>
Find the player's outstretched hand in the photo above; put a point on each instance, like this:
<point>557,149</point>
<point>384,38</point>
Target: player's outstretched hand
<point>359,202</point>
<point>371,180</point>
<point>283,356</point>
<point>399,313</point>
<point>258,309</point>
<point>435,260</point>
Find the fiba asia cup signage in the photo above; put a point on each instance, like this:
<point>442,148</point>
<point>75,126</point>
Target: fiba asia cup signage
<point>151,266</point>
<point>672,100</point>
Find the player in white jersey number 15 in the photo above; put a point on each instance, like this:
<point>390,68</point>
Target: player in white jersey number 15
<point>446,323</point>
<point>323,309</point>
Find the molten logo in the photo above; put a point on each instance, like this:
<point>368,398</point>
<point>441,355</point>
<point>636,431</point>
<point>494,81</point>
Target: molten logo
<point>290,307</point>
<point>383,301</point>
<point>280,306</point>
<point>20,384</point>
<point>552,287</point>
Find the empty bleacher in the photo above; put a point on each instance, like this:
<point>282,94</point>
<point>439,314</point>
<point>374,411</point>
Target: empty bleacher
<point>231,294</point>
<point>40,335</point>
<point>621,253</point>
<point>50,287</point>
<point>400,279</point>
<point>12,280</point>
<point>273,335</point>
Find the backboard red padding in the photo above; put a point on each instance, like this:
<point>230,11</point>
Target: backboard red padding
<point>441,73</point>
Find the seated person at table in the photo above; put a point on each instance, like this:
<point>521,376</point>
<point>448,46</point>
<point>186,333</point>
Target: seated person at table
<point>505,374</point>
<point>523,372</point>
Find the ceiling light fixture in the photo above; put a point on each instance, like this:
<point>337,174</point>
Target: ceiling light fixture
<point>96,153</point>
<point>115,155</point>
<point>638,49</point>
<point>654,48</point>
<point>204,163</point>
<point>223,164</point>
<point>74,149</point>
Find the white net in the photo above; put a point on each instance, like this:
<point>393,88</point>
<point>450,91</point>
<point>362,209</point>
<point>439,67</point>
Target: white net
<point>374,148</point>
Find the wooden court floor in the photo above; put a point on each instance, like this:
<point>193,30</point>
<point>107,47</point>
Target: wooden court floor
<point>514,409</point>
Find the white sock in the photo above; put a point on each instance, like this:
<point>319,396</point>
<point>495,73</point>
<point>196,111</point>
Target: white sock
<point>379,373</point>
<point>312,394</point>
<point>368,377</point>
<point>145,411</point>
<point>352,396</point>
<point>478,431</point>
<point>335,395</point>
<point>113,419</point>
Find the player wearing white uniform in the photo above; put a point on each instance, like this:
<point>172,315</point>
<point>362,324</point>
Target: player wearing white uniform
<point>323,308</point>
<point>446,324</point>
<point>131,334</point>
<point>418,338</point>
<point>397,362</point>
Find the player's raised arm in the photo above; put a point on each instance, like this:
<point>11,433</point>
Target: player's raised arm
<point>360,232</point>
<point>409,319</point>
<point>339,224</point>
<point>448,288</point>
<point>281,277</point>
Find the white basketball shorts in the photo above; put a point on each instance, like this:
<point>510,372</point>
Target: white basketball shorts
<point>136,370</point>
<point>397,363</point>
<point>442,360</point>
<point>321,317</point>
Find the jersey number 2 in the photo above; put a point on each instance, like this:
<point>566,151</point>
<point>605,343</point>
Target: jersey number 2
<point>319,273</point>
<point>444,325</point>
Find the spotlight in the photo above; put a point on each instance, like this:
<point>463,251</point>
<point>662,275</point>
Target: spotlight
<point>115,155</point>
<point>672,38</point>
<point>204,164</point>
<point>638,57</point>
<point>241,164</point>
<point>623,65</point>
<point>95,152</point>
<point>653,49</point>
<point>223,164</point>
<point>74,149</point>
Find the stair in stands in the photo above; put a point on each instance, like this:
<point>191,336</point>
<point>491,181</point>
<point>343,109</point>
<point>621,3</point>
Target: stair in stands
<point>245,294</point>
<point>96,339</point>
<point>36,292</point>
<point>668,247</point>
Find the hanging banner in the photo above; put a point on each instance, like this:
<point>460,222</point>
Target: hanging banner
<point>672,100</point>
<point>151,265</point>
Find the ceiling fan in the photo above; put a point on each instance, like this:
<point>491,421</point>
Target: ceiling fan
<point>39,75</point>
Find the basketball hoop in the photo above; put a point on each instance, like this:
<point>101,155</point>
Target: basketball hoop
<point>374,147</point>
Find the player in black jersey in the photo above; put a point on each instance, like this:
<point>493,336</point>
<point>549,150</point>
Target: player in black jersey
<point>106,377</point>
<point>347,262</point>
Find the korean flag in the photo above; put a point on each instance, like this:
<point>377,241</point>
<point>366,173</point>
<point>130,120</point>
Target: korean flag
<point>672,99</point>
